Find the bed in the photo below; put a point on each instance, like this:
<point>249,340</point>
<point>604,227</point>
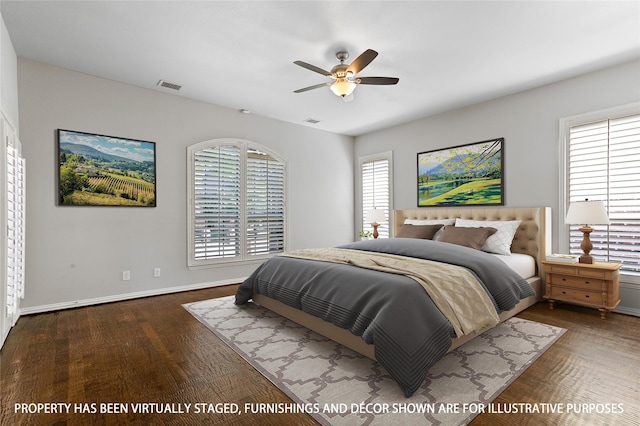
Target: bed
<point>382,313</point>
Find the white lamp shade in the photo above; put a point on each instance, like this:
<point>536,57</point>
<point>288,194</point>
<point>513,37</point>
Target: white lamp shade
<point>375,216</point>
<point>587,213</point>
<point>343,87</point>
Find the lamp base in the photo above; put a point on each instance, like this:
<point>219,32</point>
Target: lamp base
<point>375,229</point>
<point>586,245</point>
<point>585,259</point>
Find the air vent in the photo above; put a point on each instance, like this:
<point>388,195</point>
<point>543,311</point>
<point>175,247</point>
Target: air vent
<point>168,85</point>
<point>311,121</point>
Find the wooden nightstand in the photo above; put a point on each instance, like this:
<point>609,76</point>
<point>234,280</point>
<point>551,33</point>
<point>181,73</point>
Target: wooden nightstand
<point>595,285</point>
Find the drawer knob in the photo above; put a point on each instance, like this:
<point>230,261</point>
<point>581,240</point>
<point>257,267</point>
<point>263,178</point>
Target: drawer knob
<point>564,279</point>
<point>586,296</point>
<point>587,282</point>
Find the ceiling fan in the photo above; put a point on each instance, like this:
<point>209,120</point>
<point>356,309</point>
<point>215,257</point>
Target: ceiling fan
<point>344,77</point>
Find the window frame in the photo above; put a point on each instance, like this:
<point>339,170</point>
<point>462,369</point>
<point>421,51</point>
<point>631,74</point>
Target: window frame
<point>244,257</point>
<point>566,124</point>
<point>360,225</point>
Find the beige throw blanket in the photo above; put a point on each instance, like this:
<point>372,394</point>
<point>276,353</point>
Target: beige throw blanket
<point>455,290</point>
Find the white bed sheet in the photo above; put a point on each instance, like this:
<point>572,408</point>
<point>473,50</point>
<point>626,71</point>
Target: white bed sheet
<point>523,264</point>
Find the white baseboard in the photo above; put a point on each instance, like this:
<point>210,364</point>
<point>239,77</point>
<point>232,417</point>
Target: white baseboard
<point>627,311</point>
<point>630,295</point>
<point>4,337</point>
<point>125,296</point>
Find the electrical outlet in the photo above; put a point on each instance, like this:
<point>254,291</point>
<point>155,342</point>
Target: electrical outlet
<point>126,275</point>
<point>156,272</point>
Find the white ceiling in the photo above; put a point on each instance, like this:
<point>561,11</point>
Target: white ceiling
<point>239,54</point>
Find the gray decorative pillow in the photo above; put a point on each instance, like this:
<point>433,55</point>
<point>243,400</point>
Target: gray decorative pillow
<point>425,232</point>
<point>443,222</point>
<point>468,237</point>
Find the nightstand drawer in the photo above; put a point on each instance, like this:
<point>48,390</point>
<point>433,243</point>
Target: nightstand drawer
<point>595,270</point>
<point>593,284</point>
<point>562,269</point>
<point>573,295</point>
<point>580,283</point>
<point>593,273</point>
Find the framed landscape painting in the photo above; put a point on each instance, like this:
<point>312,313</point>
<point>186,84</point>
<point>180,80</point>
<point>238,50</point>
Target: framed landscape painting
<point>99,170</point>
<point>469,174</point>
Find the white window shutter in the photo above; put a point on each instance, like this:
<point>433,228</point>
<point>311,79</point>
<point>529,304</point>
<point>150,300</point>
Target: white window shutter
<point>604,164</point>
<point>376,189</point>
<point>15,229</point>
<point>216,183</point>
<point>237,209</point>
<point>265,204</point>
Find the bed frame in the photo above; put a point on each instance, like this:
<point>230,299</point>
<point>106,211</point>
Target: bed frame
<point>533,237</point>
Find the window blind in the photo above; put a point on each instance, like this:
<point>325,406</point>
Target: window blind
<point>375,175</point>
<point>15,229</point>
<point>265,204</point>
<point>238,207</point>
<point>216,184</point>
<point>604,164</point>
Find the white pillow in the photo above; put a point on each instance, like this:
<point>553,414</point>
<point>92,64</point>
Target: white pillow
<point>500,242</point>
<point>444,222</point>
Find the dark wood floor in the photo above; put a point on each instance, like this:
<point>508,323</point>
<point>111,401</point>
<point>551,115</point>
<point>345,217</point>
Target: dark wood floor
<point>152,350</point>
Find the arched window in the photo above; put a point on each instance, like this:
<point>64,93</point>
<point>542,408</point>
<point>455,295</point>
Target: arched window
<point>236,202</point>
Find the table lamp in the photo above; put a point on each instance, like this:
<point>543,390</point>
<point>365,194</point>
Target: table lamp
<point>375,216</point>
<point>587,213</point>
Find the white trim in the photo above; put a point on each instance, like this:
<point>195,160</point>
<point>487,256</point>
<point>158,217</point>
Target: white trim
<point>9,314</point>
<point>387,155</point>
<point>227,262</point>
<point>627,311</point>
<point>243,144</point>
<point>127,296</point>
<point>5,322</point>
<point>630,310</point>
<point>565,124</point>
<point>7,118</point>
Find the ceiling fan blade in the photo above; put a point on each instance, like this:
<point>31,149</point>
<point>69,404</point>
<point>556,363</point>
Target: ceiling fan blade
<point>317,86</point>
<point>381,81</point>
<point>362,61</point>
<point>312,68</point>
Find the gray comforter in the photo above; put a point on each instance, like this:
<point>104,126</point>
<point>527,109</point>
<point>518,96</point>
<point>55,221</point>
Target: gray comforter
<point>392,312</point>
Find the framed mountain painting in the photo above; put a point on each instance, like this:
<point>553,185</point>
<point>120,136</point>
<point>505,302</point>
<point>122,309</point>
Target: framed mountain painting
<point>99,170</point>
<point>470,174</point>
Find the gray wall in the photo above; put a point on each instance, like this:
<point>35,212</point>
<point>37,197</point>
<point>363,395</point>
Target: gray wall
<point>8,77</point>
<point>529,122</point>
<point>79,253</point>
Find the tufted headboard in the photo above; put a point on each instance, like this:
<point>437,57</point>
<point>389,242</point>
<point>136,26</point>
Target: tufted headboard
<point>533,236</point>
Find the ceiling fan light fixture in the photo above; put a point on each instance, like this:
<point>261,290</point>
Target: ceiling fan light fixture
<point>343,87</point>
<point>345,76</point>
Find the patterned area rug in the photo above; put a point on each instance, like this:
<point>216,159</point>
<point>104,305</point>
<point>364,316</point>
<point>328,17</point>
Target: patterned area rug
<point>340,387</point>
